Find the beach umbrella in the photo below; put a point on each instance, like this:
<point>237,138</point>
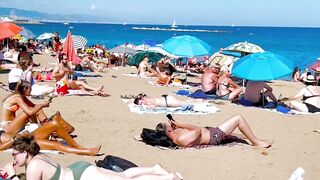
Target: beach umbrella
<point>316,66</point>
<point>69,50</point>
<point>262,66</point>
<point>27,33</point>
<point>244,47</point>
<point>137,57</point>
<point>45,36</point>
<point>123,49</point>
<point>187,46</point>
<point>8,29</point>
<point>78,41</point>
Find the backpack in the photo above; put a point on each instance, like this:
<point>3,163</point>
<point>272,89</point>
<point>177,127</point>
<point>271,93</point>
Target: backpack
<point>115,163</point>
<point>154,138</point>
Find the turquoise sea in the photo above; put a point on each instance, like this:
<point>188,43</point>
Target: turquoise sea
<point>302,45</point>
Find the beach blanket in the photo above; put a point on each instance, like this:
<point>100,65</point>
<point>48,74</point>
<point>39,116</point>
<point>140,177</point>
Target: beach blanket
<point>74,93</point>
<point>198,94</point>
<point>271,107</point>
<point>80,74</point>
<point>198,108</point>
<point>137,76</point>
<point>173,84</point>
<point>226,143</point>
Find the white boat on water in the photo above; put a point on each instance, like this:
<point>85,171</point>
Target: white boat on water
<point>174,26</point>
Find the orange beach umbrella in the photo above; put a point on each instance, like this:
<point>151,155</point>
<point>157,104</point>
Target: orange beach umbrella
<point>8,29</point>
<point>69,50</point>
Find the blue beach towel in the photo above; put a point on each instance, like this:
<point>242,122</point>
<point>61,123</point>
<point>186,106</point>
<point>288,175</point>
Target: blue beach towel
<point>198,94</point>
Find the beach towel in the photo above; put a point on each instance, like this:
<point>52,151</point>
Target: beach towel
<point>173,84</point>
<point>198,94</point>
<point>198,108</point>
<point>225,143</point>
<point>137,76</point>
<point>80,74</point>
<point>74,93</point>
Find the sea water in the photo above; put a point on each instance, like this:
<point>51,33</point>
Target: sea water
<point>301,45</point>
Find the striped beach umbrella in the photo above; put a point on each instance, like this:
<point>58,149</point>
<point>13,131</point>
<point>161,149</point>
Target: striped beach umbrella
<point>78,41</point>
<point>244,47</point>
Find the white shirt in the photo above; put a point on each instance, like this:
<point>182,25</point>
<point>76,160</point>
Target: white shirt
<point>15,75</point>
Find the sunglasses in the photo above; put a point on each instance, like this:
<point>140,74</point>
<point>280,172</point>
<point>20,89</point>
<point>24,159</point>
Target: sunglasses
<point>15,154</point>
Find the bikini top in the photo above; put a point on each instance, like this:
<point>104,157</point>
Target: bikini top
<point>308,97</point>
<point>223,84</point>
<point>56,175</point>
<point>12,108</point>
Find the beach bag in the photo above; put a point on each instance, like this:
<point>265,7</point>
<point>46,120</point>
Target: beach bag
<point>154,138</point>
<point>115,163</point>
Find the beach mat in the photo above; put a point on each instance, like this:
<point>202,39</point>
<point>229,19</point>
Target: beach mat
<point>173,84</point>
<point>198,94</point>
<point>226,143</point>
<point>137,76</point>
<point>81,74</point>
<point>197,108</point>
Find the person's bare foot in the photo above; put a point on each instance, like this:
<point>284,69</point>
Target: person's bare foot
<point>263,143</point>
<point>94,151</point>
<point>100,88</point>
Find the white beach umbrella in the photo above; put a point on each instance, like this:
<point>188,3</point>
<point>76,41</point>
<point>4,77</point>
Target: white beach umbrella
<point>45,36</point>
<point>78,41</point>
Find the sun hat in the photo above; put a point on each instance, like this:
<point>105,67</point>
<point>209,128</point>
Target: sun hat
<point>310,79</point>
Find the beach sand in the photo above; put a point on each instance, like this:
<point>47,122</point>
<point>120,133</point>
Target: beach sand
<point>107,121</point>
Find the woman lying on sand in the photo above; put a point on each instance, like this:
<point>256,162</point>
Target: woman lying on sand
<point>310,97</point>
<point>163,101</point>
<point>40,166</point>
<point>186,135</point>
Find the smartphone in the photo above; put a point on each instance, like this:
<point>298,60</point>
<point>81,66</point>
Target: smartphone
<point>170,117</point>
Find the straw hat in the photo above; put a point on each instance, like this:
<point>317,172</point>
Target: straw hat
<point>310,79</point>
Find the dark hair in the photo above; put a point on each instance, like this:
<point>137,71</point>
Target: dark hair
<point>22,86</point>
<point>60,57</point>
<point>136,100</point>
<point>161,129</point>
<point>296,69</point>
<point>26,142</point>
<point>146,56</point>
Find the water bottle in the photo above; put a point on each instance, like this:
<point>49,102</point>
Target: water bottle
<point>297,174</point>
<point>280,98</point>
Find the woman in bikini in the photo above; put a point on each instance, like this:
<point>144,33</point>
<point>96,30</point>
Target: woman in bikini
<point>40,166</point>
<point>310,97</point>
<point>226,88</point>
<point>33,113</point>
<point>186,135</point>
<point>162,101</point>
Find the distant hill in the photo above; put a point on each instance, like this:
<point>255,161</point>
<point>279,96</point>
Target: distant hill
<point>54,17</point>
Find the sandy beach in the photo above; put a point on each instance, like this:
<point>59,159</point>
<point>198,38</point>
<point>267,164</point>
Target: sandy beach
<point>107,121</point>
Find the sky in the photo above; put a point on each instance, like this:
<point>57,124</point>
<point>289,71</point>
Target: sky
<point>297,13</point>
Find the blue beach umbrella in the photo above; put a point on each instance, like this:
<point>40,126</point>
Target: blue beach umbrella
<point>187,46</point>
<point>262,66</point>
<point>27,33</point>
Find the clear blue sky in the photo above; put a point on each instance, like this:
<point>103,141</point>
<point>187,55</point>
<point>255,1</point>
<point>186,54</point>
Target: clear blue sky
<point>203,12</point>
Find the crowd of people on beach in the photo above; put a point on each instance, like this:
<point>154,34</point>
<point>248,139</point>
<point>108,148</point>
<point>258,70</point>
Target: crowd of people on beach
<point>216,81</point>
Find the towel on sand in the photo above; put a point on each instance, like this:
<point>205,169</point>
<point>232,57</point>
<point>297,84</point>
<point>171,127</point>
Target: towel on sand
<point>198,108</point>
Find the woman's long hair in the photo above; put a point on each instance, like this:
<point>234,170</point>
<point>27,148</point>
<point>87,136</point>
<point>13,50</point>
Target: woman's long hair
<point>296,69</point>
<point>21,88</point>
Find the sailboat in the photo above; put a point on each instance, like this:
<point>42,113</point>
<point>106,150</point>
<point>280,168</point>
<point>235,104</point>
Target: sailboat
<point>174,26</point>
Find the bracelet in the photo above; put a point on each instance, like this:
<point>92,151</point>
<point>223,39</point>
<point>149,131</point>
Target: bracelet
<point>13,176</point>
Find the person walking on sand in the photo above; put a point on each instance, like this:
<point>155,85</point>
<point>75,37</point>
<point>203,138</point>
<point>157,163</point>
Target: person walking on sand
<point>186,135</point>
